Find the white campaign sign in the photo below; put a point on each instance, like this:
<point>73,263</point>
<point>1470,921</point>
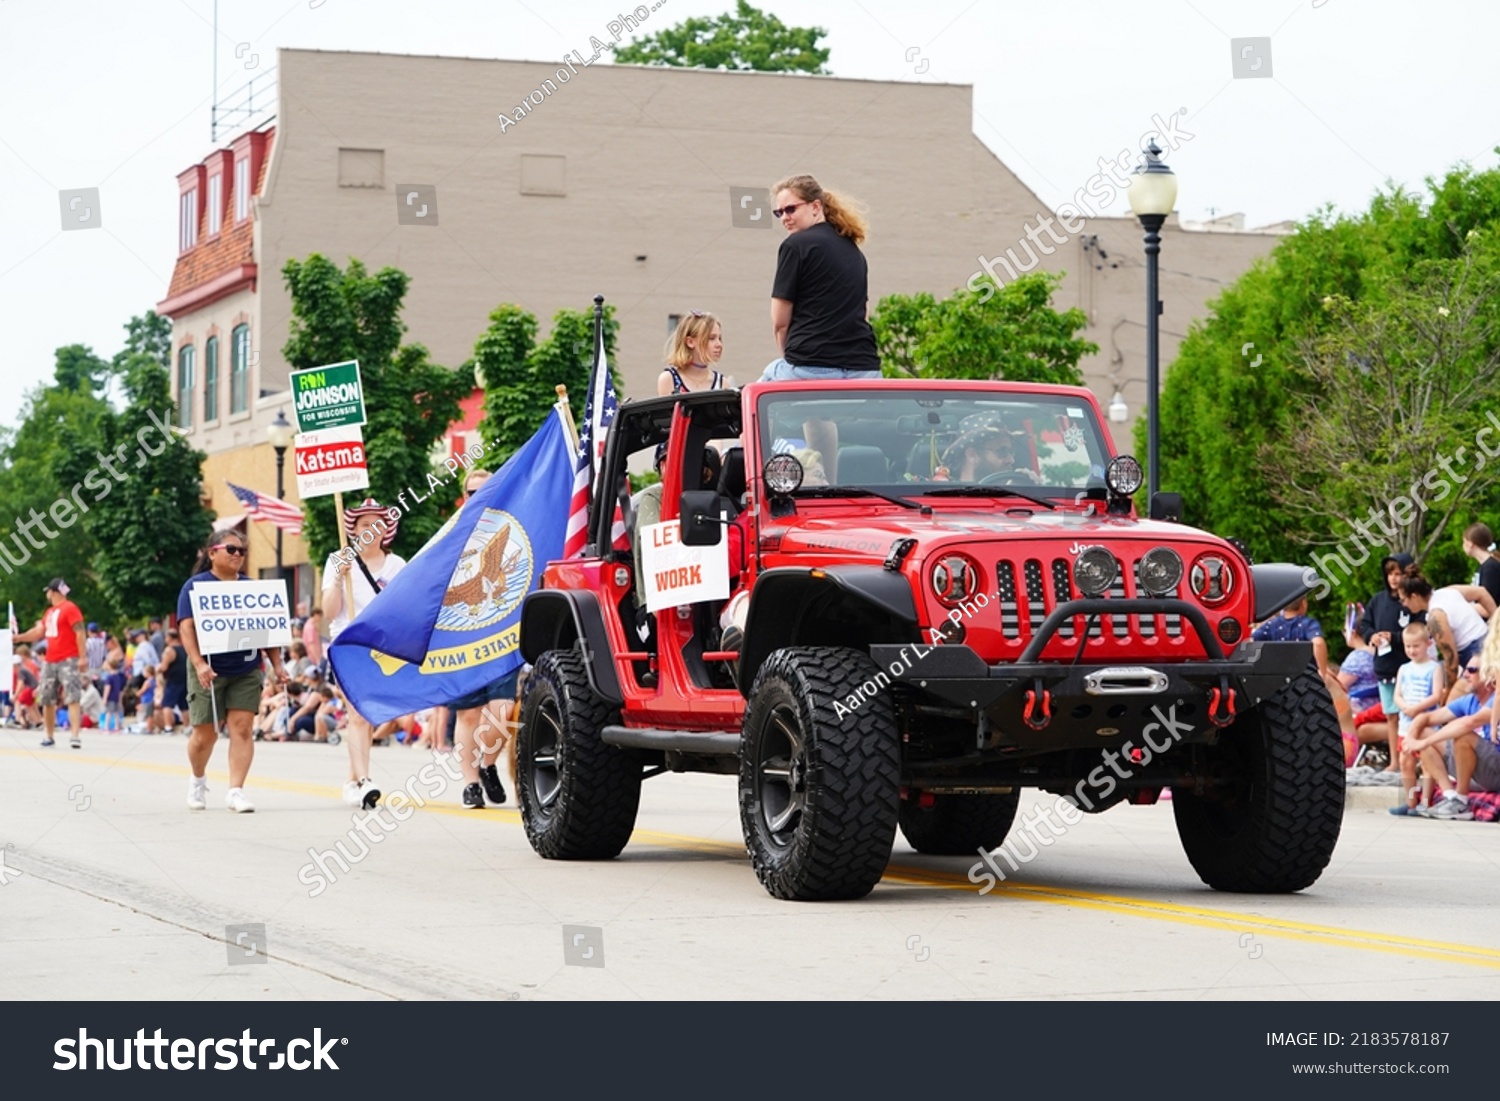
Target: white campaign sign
<point>679,574</point>
<point>331,461</point>
<point>240,615</point>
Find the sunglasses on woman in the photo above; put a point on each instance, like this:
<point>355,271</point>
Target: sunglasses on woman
<point>790,208</point>
<point>229,548</point>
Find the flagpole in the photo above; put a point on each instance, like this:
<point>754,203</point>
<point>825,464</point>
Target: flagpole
<point>338,508</point>
<point>566,409</point>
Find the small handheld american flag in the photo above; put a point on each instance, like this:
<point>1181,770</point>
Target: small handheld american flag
<point>598,414</point>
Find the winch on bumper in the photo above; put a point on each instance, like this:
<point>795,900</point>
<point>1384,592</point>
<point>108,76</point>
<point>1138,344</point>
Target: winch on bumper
<point>1052,705</point>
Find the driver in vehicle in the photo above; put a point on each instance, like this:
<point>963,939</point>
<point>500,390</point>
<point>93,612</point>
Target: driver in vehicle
<point>977,454</point>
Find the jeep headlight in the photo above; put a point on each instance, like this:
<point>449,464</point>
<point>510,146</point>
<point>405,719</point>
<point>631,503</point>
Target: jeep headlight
<point>1160,571</point>
<point>1094,571</point>
<point>955,579</point>
<point>1212,579</point>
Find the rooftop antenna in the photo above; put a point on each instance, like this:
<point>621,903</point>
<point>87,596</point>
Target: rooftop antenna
<point>213,100</point>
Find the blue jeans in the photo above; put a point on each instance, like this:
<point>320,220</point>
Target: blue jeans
<point>779,370</point>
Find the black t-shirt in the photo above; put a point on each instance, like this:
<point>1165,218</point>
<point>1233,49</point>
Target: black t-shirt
<point>1489,577</point>
<point>825,277</point>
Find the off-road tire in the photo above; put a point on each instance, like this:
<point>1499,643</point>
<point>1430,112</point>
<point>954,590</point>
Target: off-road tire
<point>1273,830</point>
<point>958,825</point>
<point>578,796</point>
<point>819,784</point>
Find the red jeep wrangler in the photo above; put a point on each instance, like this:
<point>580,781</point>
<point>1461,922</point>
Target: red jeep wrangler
<point>971,607</point>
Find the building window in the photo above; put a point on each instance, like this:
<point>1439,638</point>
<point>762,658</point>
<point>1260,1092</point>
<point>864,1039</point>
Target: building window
<point>361,167</point>
<point>187,228</point>
<point>543,175</point>
<point>241,189</point>
<point>211,380</point>
<point>185,386</point>
<point>239,369</point>
<point>215,203</point>
<point>673,320</point>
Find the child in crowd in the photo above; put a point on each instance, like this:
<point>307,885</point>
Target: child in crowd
<point>1421,685</point>
<point>114,681</point>
<point>148,721</point>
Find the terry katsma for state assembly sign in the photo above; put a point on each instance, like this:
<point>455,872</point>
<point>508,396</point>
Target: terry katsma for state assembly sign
<point>240,615</point>
<point>679,574</point>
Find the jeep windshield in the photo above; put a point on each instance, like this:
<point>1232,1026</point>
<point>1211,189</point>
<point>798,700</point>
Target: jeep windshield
<point>950,442</point>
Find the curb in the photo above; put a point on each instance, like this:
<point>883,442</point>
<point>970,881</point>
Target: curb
<point>1376,800</point>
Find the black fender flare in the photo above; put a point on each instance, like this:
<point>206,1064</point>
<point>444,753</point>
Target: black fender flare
<point>780,597</point>
<point>564,619</point>
<point>1278,584</point>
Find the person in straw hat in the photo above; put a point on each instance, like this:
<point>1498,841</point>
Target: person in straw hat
<point>370,566</point>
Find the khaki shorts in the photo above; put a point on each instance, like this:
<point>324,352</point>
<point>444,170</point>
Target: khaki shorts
<point>241,693</point>
<point>63,674</point>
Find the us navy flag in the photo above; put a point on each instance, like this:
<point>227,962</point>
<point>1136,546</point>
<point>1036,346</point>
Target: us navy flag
<point>450,622</point>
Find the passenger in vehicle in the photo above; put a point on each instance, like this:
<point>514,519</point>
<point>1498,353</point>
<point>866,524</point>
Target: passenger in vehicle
<point>693,352</point>
<point>820,298</point>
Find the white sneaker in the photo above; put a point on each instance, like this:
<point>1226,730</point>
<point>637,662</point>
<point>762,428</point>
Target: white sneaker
<point>369,794</point>
<point>351,792</point>
<point>198,793</point>
<point>237,802</point>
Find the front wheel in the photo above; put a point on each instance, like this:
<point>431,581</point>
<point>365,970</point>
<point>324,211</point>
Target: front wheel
<point>1273,828</point>
<point>819,778</point>
<point>578,795</point>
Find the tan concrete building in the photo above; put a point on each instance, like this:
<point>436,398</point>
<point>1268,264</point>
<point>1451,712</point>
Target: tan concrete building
<point>543,185</point>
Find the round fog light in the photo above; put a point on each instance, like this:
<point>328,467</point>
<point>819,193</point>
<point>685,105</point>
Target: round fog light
<point>1229,630</point>
<point>1094,570</point>
<point>783,474</point>
<point>1160,571</point>
<point>1124,475</point>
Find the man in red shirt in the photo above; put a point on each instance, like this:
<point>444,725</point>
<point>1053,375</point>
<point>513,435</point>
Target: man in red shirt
<point>66,661</point>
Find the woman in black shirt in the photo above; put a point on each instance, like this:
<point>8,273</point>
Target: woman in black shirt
<point>1479,544</point>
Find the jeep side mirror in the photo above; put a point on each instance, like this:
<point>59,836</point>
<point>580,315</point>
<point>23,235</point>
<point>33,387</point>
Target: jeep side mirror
<point>1167,506</point>
<point>702,512</point>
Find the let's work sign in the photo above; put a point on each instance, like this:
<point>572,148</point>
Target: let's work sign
<point>328,397</point>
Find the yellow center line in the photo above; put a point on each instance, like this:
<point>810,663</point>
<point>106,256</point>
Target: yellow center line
<point>1149,909</point>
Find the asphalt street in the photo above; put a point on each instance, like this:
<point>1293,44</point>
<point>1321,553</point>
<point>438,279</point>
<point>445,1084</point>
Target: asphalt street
<point>114,889</point>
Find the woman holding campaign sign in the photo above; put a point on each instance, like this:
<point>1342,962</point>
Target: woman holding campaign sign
<point>365,568</point>
<point>224,682</point>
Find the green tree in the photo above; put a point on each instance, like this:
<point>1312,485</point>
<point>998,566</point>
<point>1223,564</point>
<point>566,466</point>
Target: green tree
<point>40,536</point>
<point>409,400</point>
<point>1011,334</point>
<point>748,39</point>
<point>146,517</point>
<point>1259,388</point>
<point>521,376</point>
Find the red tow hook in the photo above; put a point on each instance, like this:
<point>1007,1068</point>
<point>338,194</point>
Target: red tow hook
<point>1225,695</point>
<point>1037,699</point>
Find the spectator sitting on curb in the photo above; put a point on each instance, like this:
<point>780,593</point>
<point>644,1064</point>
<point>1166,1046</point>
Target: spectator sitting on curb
<point>1295,625</point>
<point>1454,624</point>
<point>1460,754</point>
<point>1420,687</point>
<point>1357,673</point>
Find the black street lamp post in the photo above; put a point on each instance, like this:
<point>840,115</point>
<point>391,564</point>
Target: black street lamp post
<point>280,433</point>
<point>1153,191</point>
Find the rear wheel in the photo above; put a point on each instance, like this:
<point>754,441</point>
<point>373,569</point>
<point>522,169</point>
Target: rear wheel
<point>578,796</point>
<point>957,825</point>
<point>1273,829</point>
<point>819,779</point>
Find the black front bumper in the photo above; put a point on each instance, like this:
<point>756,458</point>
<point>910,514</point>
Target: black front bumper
<point>1031,704</point>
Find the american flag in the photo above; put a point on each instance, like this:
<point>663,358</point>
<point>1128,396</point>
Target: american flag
<point>598,414</point>
<point>265,507</point>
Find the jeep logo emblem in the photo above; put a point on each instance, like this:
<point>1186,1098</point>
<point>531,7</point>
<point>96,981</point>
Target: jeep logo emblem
<point>1078,548</point>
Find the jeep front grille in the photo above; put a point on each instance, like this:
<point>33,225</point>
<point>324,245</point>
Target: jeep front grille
<point>1041,598</point>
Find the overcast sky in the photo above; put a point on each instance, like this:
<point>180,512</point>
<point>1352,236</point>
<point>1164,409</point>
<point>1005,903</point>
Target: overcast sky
<point>116,96</point>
